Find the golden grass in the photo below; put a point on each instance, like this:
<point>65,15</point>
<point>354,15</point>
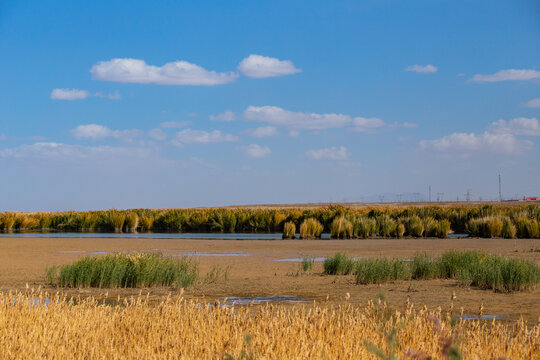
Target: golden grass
<point>178,329</point>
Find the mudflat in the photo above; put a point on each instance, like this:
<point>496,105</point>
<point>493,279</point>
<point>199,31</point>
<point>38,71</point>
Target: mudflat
<point>254,271</point>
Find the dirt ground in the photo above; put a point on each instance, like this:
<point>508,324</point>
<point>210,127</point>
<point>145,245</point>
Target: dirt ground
<point>24,260</point>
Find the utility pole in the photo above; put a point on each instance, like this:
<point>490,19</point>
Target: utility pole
<point>429,193</point>
<point>500,194</point>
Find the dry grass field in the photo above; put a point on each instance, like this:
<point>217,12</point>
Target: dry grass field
<point>35,325</point>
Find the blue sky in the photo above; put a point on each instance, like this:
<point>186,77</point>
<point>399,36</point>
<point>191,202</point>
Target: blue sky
<point>178,104</point>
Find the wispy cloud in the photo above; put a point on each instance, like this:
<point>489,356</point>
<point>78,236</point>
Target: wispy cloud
<point>263,131</point>
<point>367,125</point>
<point>224,116</point>
<point>258,66</point>
<point>76,94</point>
<point>425,69</point>
<point>256,151</point>
<point>157,134</point>
<point>333,153</point>
<point>517,126</point>
<point>127,70</point>
<point>174,124</point>
<point>189,136</point>
<point>295,120</point>
<point>61,151</point>
<point>533,103</point>
<point>69,94</point>
<point>507,75</point>
<point>95,132</point>
<point>499,138</point>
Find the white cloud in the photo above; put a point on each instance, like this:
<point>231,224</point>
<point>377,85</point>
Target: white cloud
<point>507,75</point>
<point>499,138</point>
<point>174,124</point>
<point>95,131</point>
<point>517,126</point>
<point>258,66</point>
<point>263,131</point>
<point>189,136</point>
<point>112,96</point>
<point>425,69</point>
<point>224,116</point>
<point>466,144</point>
<point>332,153</point>
<point>60,151</point>
<point>295,120</point>
<point>69,94</point>
<point>157,134</point>
<point>257,151</point>
<point>174,73</point>
<point>533,103</point>
<point>367,125</point>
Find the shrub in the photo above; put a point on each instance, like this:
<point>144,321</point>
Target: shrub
<point>443,228</point>
<point>508,228</point>
<point>431,227</point>
<point>386,226</point>
<point>132,221</point>
<point>146,222</point>
<point>414,226</point>
<point>341,228</point>
<point>289,230</point>
<point>364,227</point>
<point>310,228</point>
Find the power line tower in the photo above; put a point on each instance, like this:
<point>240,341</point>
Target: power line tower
<point>440,196</point>
<point>429,188</point>
<point>381,198</point>
<point>468,195</point>
<point>500,193</point>
<point>399,197</point>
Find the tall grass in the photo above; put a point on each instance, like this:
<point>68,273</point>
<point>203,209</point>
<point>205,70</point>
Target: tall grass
<point>311,229</point>
<point>121,270</point>
<point>469,267</point>
<point>339,264</point>
<point>176,328</point>
<point>428,221</point>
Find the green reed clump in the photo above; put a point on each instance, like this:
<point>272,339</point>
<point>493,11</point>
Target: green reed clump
<point>339,264</point>
<point>487,227</point>
<point>400,230</point>
<point>307,263</point>
<point>386,226</point>
<point>414,226</point>
<point>377,271</point>
<point>452,262</point>
<point>310,228</point>
<point>121,270</point>
<point>364,227</point>
<point>289,230</point>
<point>423,267</point>
<point>341,228</point>
<point>501,274</point>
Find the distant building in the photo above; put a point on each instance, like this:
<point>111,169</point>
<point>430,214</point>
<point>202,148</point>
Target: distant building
<point>532,198</point>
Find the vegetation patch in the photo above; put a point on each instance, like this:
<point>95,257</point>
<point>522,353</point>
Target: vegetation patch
<point>122,270</point>
<point>474,268</point>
